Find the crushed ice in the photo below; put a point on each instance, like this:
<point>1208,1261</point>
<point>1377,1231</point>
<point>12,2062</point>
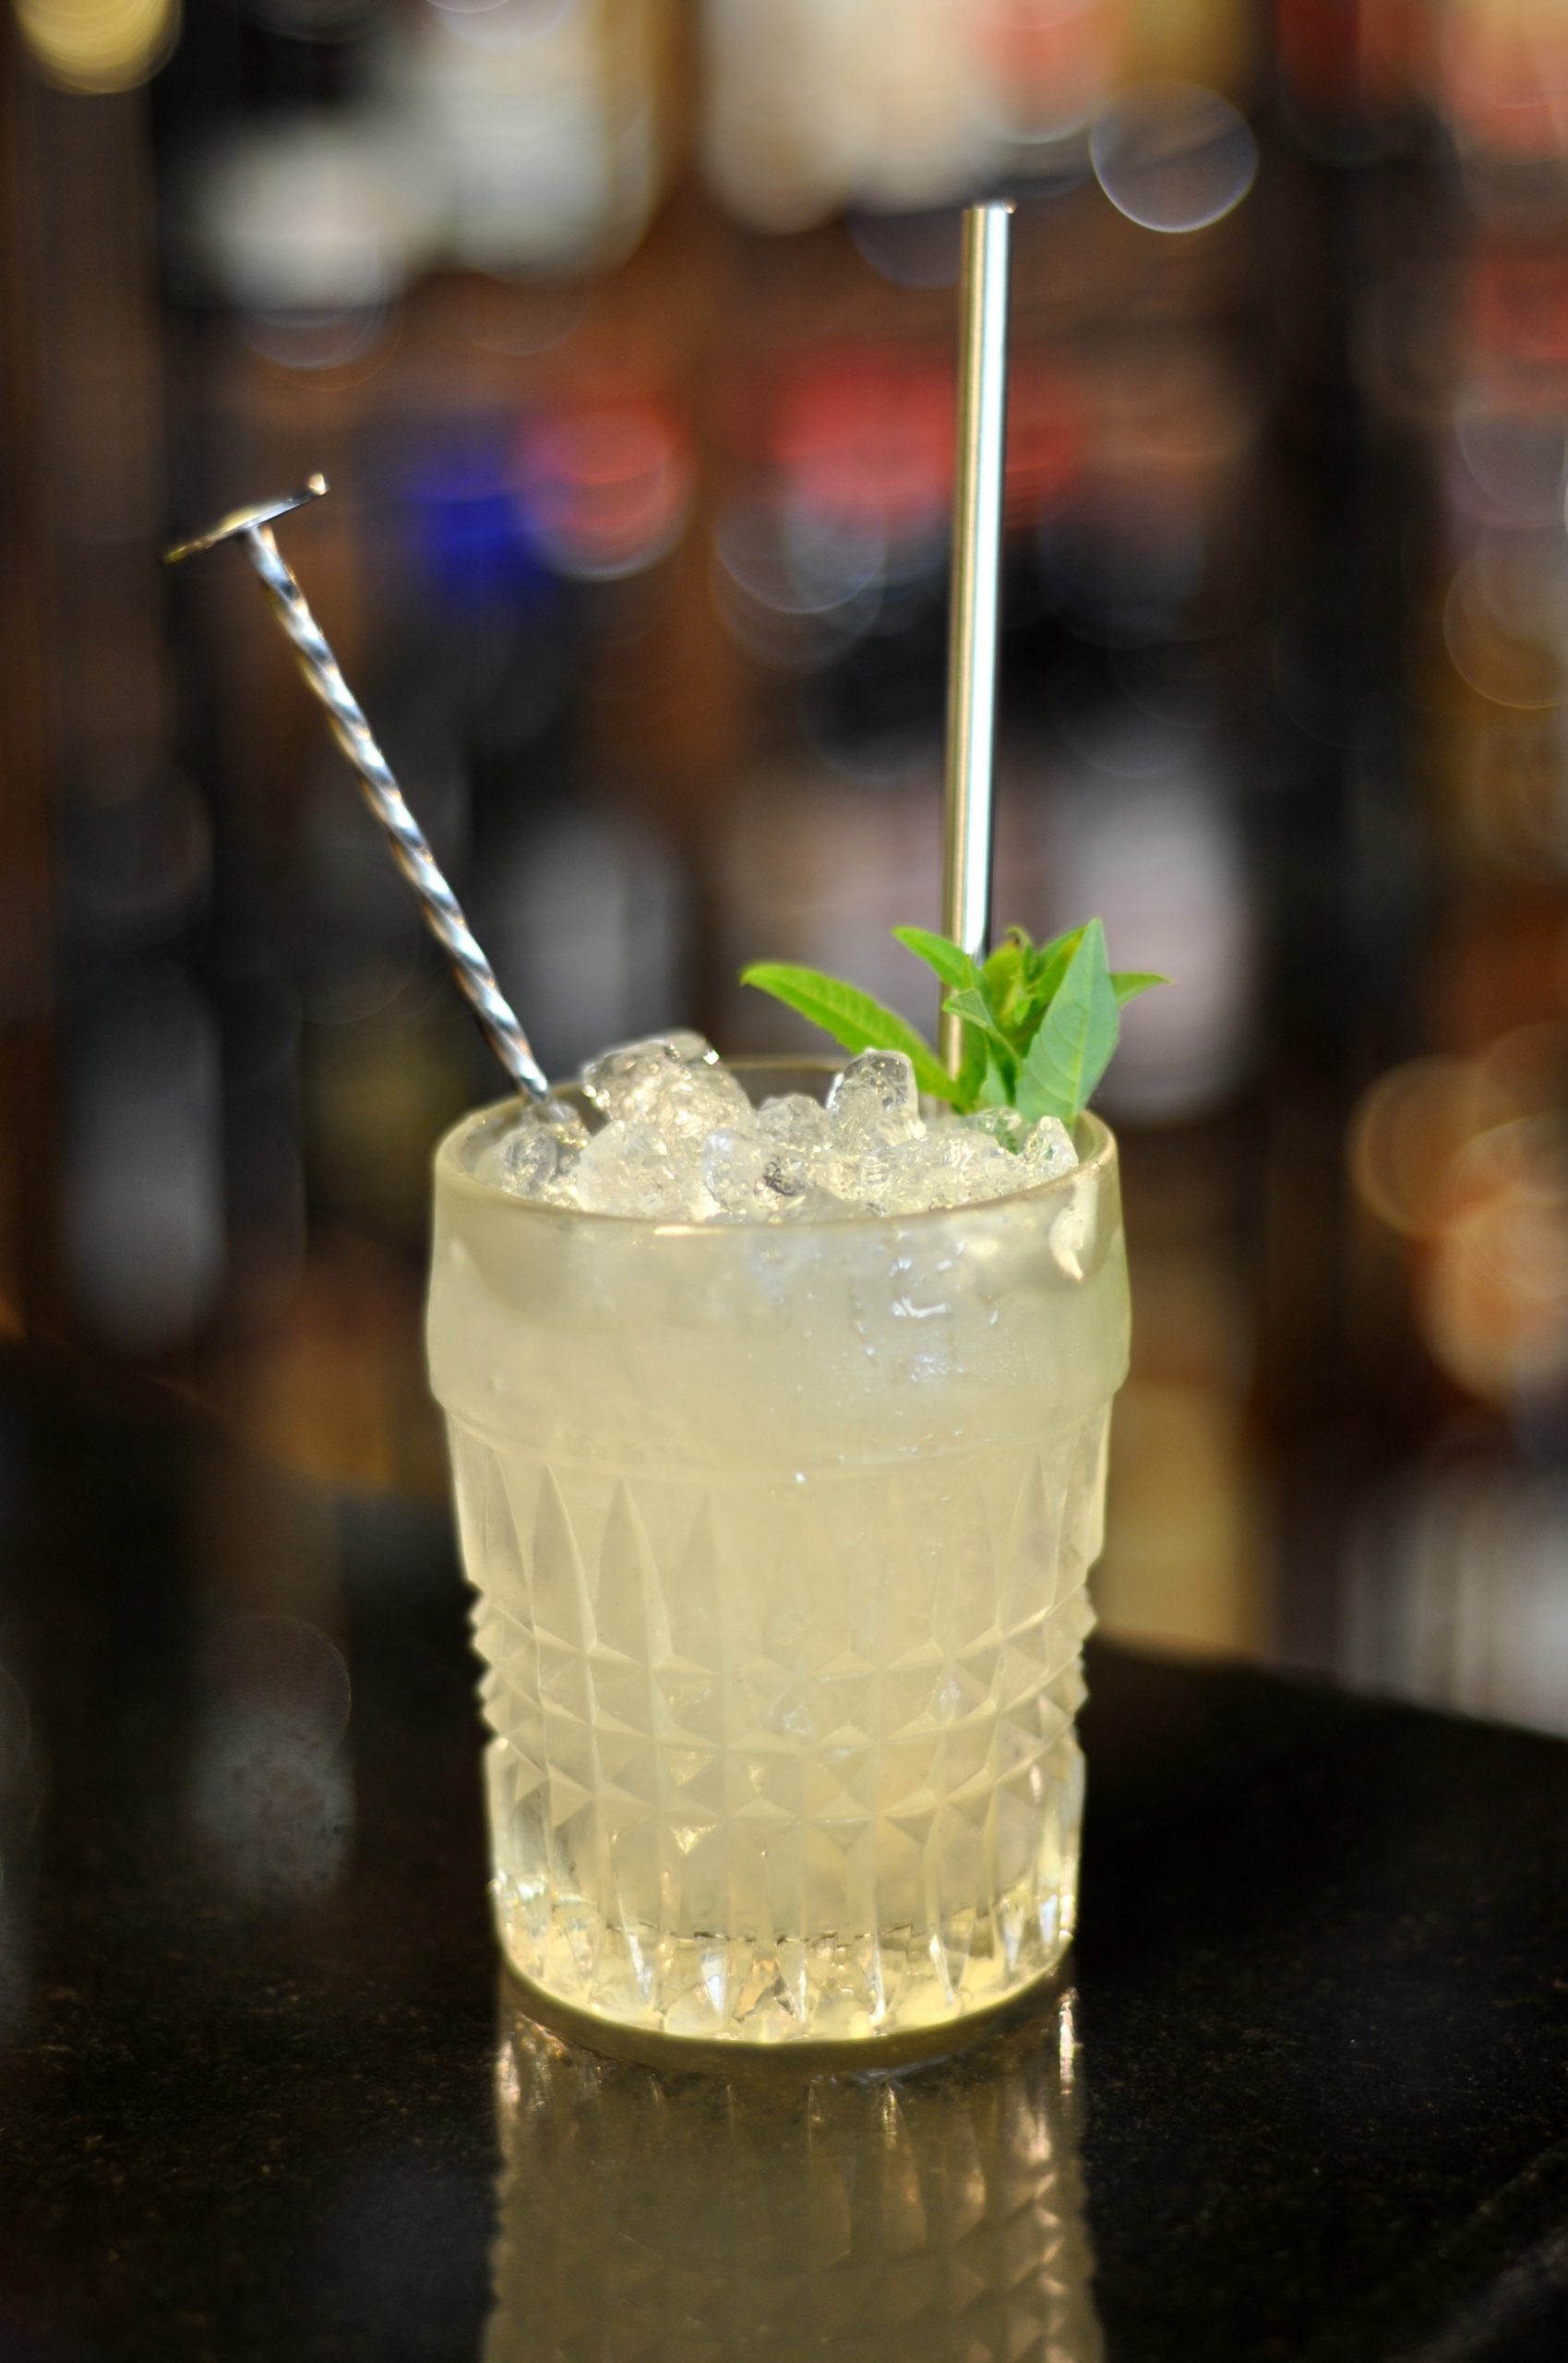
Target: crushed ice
<point>679,1140</point>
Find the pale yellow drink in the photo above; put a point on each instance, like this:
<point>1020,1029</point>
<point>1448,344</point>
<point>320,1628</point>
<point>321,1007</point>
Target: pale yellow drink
<point>780,1534</point>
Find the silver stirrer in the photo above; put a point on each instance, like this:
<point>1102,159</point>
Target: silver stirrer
<point>977,592</point>
<point>443,914</point>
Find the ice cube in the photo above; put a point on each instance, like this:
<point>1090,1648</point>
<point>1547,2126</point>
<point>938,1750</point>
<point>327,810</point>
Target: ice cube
<point>795,1119</point>
<point>949,1166</point>
<point>705,1099</point>
<point>529,1160</point>
<point>874,1102</point>
<point>617,1080</point>
<point>1047,1152</point>
<point>758,1180</point>
<point>674,1082</point>
<point>731,1165</point>
<point>682,1142</point>
<point>538,1155</point>
<point>634,1169</point>
<point>1002,1124</point>
<point>631,1079</point>
<point>693,1048</point>
<point>811,1203</point>
<point>791,1176</point>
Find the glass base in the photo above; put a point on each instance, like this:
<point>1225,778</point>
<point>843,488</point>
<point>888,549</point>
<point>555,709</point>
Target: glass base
<point>909,1979</point>
<point>887,2051</point>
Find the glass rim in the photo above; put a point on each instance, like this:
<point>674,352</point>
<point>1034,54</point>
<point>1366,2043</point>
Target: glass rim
<point>451,1172</point>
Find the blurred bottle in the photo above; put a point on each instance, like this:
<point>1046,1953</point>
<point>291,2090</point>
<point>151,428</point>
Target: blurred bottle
<point>813,105</point>
<point>540,122</point>
<point>511,138</point>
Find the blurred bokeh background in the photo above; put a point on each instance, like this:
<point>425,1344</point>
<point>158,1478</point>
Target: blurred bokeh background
<point>624,331</point>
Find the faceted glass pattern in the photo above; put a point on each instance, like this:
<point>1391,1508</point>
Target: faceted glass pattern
<point>839,1800</point>
<point>780,1538</point>
<point>670,2218</point>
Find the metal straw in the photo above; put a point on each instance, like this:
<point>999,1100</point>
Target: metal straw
<point>977,590</point>
<point>442,911</point>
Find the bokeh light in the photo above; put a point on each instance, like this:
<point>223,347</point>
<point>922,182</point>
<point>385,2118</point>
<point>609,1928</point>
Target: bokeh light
<point>1050,63</point>
<point>789,580</point>
<point>1173,156</point>
<point>1494,1301</point>
<point>98,45</point>
<point>1467,1158</point>
<point>1504,76</point>
<point>310,230</point>
<point>1514,792</point>
<point>1506,620</point>
<point>866,436</point>
<point>1408,1132</point>
<point>606,486</point>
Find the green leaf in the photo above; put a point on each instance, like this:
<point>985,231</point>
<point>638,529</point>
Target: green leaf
<point>971,1075</point>
<point>852,1017</point>
<point>988,1053</point>
<point>953,966</point>
<point>1005,983</point>
<point>1039,1021</point>
<point>956,967</point>
<point>974,1010</point>
<point>1076,1037</point>
<point>998,1086</point>
<point>1049,966</point>
<point>1022,979</point>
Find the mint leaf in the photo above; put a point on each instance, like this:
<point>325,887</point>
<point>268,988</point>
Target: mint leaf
<point>974,1010</point>
<point>980,1036</point>
<point>951,965</point>
<point>1039,1021</point>
<point>852,1017</point>
<point>998,1085</point>
<point>1076,1037</point>
<point>998,1059</point>
<point>1004,967</point>
<point>971,1069</point>
<point>1022,978</point>
<point>1049,966</point>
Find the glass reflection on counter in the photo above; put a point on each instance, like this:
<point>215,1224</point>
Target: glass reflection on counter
<point>926,2214</point>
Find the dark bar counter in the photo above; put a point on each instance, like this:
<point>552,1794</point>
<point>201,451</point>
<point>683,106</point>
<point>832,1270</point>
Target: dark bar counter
<point>1301,2096</point>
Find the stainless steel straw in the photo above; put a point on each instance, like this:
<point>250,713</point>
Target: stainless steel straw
<point>443,914</point>
<point>977,590</point>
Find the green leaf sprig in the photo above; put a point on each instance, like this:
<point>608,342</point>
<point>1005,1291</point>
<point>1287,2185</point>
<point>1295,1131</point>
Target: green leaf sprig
<point>1040,1021</point>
